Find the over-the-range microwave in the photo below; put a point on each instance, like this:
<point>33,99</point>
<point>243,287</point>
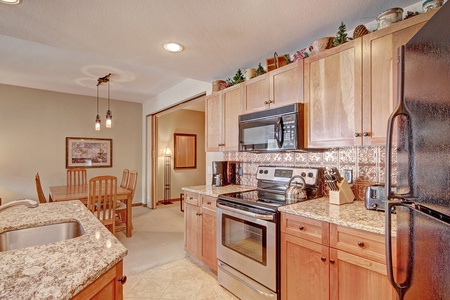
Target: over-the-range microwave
<point>277,129</point>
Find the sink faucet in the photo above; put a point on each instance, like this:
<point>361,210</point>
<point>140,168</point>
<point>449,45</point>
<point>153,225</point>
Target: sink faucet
<point>27,202</point>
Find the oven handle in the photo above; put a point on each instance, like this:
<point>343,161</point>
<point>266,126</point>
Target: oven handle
<point>245,283</point>
<point>250,214</point>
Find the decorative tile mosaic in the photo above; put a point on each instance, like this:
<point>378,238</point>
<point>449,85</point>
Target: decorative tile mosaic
<point>315,158</point>
<point>288,158</point>
<point>367,155</point>
<point>367,173</point>
<point>301,159</point>
<point>347,155</point>
<point>331,156</point>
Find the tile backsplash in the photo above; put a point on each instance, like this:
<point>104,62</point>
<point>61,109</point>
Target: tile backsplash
<point>367,163</point>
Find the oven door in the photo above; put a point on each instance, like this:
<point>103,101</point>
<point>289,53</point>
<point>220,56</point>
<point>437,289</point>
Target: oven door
<point>246,241</point>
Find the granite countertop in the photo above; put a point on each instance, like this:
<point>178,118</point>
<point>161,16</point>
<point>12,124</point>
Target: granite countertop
<point>353,215</point>
<point>57,270</point>
<point>215,191</point>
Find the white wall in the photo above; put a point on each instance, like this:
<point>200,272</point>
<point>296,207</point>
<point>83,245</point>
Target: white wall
<point>34,125</point>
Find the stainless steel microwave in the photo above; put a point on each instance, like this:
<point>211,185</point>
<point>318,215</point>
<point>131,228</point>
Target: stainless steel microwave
<point>277,129</point>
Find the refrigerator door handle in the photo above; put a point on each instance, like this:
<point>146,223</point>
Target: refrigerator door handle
<point>400,288</point>
<point>400,110</point>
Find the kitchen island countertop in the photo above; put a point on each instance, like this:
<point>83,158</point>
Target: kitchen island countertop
<point>353,215</point>
<point>57,270</point>
<point>215,191</point>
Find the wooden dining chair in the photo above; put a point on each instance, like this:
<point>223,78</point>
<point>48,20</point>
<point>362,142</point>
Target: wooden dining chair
<point>102,199</point>
<point>76,176</point>
<point>39,190</point>
<point>121,209</point>
<point>124,182</point>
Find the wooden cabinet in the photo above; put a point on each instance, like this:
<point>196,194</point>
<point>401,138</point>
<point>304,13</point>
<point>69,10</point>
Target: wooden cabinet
<point>222,111</point>
<point>326,261</point>
<point>351,90</point>
<point>333,89</point>
<point>107,286</point>
<point>380,76</point>
<point>276,88</point>
<point>200,228</point>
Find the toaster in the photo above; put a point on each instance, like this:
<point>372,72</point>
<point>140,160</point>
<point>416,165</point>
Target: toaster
<point>375,197</point>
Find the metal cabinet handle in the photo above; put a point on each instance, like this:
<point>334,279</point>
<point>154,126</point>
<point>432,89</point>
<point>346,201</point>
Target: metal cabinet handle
<point>356,134</point>
<point>122,279</point>
<point>266,102</point>
<point>361,244</point>
<point>365,133</point>
<point>198,214</point>
<point>332,261</point>
<point>301,227</point>
<point>209,202</point>
<point>323,258</point>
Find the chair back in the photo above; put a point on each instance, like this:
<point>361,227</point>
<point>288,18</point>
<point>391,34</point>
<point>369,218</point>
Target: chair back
<point>102,199</point>
<point>132,181</point>
<point>125,175</point>
<point>39,190</point>
<point>76,176</point>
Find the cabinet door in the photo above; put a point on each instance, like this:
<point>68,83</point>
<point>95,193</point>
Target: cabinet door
<point>304,269</point>
<point>214,122</point>
<point>380,75</point>
<point>192,232</point>
<point>232,106</point>
<point>333,92</point>
<point>257,93</point>
<point>209,255</point>
<point>354,277</point>
<point>286,84</point>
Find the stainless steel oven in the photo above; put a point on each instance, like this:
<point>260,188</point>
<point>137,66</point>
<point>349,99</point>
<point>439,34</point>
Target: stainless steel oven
<point>248,232</point>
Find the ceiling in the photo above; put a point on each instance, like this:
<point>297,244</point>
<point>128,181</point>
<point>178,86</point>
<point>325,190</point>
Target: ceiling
<point>66,45</point>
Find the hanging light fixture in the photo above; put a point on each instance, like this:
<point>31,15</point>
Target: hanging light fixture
<point>108,112</point>
<point>97,119</point>
<point>100,80</point>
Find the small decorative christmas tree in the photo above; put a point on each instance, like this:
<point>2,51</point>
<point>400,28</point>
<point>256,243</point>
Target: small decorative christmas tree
<point>260,70</point>
<point>341,36</point>
<point>238,78</point>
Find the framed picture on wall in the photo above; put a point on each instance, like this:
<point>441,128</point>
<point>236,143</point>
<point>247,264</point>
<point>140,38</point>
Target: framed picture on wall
<point>88,152</point>
<point>185,153</point>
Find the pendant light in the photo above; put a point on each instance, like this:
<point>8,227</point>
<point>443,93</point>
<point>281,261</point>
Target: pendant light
<point>108,112</point>
<point>97,119</point>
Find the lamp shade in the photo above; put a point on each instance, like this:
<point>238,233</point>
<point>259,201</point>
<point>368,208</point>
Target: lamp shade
<point>166,151</point>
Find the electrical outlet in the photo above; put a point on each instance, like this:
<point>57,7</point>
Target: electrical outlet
<point>348,175</point>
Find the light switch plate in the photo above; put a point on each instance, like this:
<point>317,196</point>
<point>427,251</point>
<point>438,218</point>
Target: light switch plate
<point>348,175</point>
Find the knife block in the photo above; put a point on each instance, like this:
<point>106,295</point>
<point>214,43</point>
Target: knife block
<point>344,195</point>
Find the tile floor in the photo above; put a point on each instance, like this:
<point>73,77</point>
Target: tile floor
<point>183,279</point>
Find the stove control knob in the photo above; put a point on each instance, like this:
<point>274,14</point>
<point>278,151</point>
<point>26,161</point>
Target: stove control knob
<point>303,174</point>
<point>260,171</point>
<point>310,175</point>
<point>266,172</point>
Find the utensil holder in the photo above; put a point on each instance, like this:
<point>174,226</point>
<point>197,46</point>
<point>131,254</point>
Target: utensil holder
<point>344,195</point>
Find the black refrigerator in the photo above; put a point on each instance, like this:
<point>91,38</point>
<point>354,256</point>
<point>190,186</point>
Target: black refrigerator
<point>422,167</point>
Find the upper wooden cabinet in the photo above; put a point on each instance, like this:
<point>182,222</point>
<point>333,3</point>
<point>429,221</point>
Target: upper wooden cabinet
<point>222,111</point>
<point>276,88</point>
<point>380,76</point>
<point>333,89</point>
<point>351,90</point>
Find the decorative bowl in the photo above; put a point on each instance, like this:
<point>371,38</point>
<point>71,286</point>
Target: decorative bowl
<point>431,4</point>
<point>390,16</point>
<point>321,45</point>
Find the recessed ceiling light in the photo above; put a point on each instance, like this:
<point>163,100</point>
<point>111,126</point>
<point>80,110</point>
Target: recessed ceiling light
<point>173,47</point>
<point>12,2</point>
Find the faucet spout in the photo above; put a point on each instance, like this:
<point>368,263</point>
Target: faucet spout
<point>27,202</point>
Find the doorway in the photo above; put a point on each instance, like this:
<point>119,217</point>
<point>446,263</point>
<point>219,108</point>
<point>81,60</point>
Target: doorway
<point>184,118</point>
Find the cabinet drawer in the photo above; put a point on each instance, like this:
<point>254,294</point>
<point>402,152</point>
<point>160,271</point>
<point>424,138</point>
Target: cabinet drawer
<point>306,228</point>
<point>362,243</point>
<point>191,198</point>
<point>208,202</point>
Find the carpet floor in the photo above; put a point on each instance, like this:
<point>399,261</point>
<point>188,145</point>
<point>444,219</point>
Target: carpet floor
<point>157,238</point>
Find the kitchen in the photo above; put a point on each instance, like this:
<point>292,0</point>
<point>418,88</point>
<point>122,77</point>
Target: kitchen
<point>281,156</point>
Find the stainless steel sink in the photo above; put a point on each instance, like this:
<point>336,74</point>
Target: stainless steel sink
<point>21,238</point>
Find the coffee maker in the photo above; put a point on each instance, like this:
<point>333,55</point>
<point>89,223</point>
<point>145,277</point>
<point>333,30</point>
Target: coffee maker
<point>225,173</point>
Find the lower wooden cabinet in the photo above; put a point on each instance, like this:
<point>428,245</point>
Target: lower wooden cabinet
<point>200,228</point>
<point>107,286</point>
<point>350,265</point>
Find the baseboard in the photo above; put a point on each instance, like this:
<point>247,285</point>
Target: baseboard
<point>136,204</point>
<point>170,200</point>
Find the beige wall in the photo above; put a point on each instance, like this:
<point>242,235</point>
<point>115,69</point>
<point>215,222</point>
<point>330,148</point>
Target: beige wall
<point>180,121</point>
<point>33,127</point>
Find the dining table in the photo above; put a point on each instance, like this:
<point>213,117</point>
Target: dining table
<point>80,192</point>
